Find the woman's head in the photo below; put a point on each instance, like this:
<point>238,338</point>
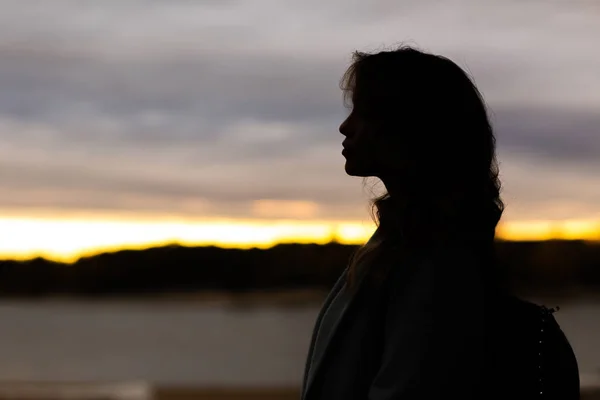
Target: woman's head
<point>419,124</point>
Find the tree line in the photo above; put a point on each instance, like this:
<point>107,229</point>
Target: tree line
<point>556,265</point>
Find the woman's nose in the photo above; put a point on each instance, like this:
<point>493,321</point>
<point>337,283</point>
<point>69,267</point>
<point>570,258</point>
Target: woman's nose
<point>344,127</point>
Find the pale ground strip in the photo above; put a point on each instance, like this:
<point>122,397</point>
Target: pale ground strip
<point>145,391</point>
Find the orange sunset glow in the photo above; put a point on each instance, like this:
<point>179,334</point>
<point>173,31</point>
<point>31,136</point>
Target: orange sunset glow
<point>68,238</point>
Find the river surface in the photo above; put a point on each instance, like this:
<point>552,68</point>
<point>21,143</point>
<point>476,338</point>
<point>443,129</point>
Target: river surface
<point>191,343</point>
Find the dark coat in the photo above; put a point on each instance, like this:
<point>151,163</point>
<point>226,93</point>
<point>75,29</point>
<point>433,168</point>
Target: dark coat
<point>418,335</point>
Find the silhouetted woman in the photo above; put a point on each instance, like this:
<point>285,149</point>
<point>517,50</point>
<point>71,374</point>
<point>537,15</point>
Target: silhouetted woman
<point>406,319</point>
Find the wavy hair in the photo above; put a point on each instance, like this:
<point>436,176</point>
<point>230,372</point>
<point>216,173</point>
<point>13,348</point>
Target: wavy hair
<point>434,117</point>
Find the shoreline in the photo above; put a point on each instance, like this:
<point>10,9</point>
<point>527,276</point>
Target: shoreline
<point>291,297</point>
<point>146,391</point>
<point>288,298</point>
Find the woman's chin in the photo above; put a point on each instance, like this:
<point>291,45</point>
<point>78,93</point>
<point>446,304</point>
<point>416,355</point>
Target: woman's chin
<point>355,170</point>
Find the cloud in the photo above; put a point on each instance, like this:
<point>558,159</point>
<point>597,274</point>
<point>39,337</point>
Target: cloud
<point>563,136</point>
<point>285,209</point>
<point>541,189</point>
<point>207,107</point>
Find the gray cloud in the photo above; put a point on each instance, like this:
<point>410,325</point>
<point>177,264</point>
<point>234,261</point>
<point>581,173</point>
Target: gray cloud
<point>569,136</point>
<point>153,104</point>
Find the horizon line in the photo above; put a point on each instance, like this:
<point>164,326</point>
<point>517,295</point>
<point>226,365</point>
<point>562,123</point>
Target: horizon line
<point>68,239</point>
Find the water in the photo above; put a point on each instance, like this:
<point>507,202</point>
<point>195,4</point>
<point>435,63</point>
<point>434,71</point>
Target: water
<point>176,343</point>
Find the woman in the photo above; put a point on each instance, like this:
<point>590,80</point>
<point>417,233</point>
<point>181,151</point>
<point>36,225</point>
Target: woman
<point>406,318</point>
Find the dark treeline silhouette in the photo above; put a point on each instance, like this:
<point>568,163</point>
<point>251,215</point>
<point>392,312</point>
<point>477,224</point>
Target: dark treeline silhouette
<point>557,267</point>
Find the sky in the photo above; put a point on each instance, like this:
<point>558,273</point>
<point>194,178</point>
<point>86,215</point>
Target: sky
<point>162,116</point>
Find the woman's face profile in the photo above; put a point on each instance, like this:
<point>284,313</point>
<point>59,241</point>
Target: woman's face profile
<point>367,152</point>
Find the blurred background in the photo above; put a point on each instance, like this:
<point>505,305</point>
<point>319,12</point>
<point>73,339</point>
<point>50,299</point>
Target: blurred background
<point>173,203</point>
